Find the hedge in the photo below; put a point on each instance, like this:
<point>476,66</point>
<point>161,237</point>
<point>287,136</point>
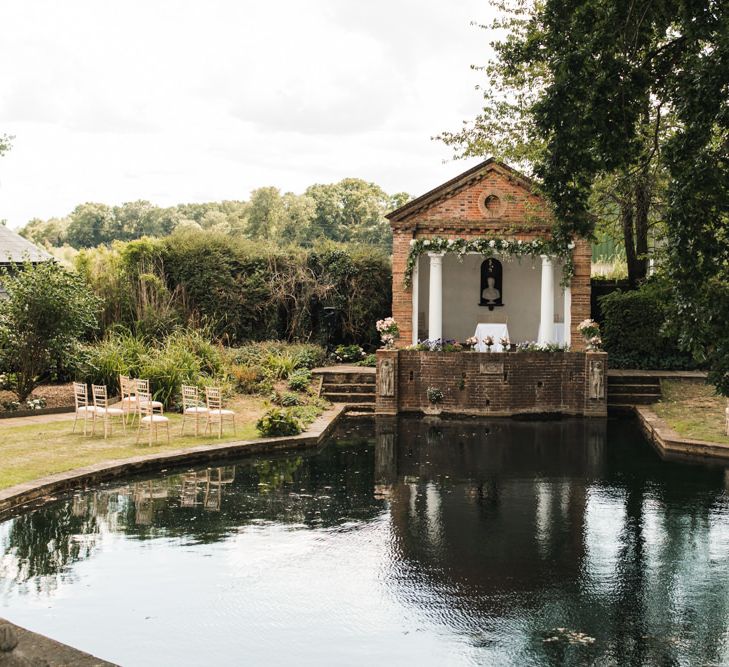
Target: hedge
<point>636,330</point>
<point>240,290</point>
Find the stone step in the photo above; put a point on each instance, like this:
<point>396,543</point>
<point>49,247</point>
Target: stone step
<point>349,387</point>
<point>620,389</point>
<point>633,399</point>
<point>349,398</point>
<point>362,411</point>
<point>349,377</point>
<point>633,379</point>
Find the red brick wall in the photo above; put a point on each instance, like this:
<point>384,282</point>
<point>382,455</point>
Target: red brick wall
<point>493,384</point>
<point>522,215</point>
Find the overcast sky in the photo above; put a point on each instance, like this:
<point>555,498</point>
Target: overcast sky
<point>175,101</point>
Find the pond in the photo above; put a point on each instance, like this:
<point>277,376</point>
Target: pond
<point>412,541</point>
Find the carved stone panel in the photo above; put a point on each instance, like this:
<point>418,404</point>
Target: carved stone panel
<point>387,378</point>
<point>491,368</point>
<point>596,379</point>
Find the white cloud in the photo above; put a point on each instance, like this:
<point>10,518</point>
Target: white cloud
<point>178,101</point>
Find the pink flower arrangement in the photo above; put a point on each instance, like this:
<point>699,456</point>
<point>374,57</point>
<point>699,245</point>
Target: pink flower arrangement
<point>389,331</point>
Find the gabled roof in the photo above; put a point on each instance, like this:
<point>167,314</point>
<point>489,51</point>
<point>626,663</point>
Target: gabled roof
<point>451,187</point>
<point>14,249</point>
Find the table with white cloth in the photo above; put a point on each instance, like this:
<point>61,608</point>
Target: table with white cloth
<point>496,330</point>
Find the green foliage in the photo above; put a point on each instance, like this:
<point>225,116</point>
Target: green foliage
<point>637,331</point>
<point>280,366</point>
<point>289,400</point>
<point>348,353</point>
<point>352,210</point>
<point>47,312</point>
<point>300,380</point>
<point>184,357</point>
<point>434,395</point>
<point>370,361</point>
<point>116,354</point>
<point>278,422</point>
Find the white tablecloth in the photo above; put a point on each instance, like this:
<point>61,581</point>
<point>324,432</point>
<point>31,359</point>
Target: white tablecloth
<point>559,332</point>
<point>494,329</point>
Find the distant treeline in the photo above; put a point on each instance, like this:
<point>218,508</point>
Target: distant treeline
<point>350,211</point>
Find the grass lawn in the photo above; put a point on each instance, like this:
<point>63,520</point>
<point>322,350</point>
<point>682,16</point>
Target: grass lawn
<point>36,450</point>
<point>693,410</point>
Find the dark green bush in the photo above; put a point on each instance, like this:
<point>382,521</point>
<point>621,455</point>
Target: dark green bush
<point>636,330</point>
<point>277,422</point>
<point>369,361</point>
<point>289,400</point>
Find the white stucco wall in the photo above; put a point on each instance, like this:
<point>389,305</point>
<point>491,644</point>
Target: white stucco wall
<point>461,296</point>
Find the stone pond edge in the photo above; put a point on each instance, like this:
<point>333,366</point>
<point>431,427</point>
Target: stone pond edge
<point>17,496</point>
<point>32,645</point>
<point>670,443</point>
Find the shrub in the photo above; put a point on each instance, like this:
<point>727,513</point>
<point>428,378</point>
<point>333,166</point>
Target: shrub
<point>300,380</point>
<point>46,313</point>
<point>247,379</point>
<point>289,400</point>
<point>309,355</point>
<point>348,353</point>
<point>277,422</point>
<point>636,329</point>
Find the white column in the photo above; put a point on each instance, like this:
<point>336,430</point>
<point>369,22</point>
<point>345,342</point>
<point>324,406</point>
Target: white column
<point>546,318</point>
<point>567,315</point>
<point>415,286</point>
<point>435,305</point>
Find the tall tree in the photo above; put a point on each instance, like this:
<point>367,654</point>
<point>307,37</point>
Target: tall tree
<point>611,69</point>
<point>529,61</point>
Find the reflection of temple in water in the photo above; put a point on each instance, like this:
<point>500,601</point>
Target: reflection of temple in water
<point>464,499</point>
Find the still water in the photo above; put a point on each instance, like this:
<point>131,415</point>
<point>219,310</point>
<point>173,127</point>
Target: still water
<point>410,542</point>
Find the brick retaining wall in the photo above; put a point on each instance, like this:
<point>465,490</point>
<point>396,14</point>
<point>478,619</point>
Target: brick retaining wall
<point>497,384</point>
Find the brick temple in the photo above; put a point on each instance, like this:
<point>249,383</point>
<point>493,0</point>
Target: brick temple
<point>538,295</point>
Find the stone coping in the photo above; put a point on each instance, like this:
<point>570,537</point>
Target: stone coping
<point>671,444</point>
<point>663,375</point>
<point>19,646</point>
<point>19,495</point>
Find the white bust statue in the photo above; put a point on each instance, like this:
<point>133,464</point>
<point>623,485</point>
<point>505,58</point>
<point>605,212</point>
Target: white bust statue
<point>490,294</point>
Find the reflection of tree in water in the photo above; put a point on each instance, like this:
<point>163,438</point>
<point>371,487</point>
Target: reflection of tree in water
<point>274,474</point>
<point>45,542</point>
<point>316,489</point>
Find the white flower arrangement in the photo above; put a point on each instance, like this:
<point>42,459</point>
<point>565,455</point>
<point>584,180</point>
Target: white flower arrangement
<point>472,342</point>
<point>505,342</point>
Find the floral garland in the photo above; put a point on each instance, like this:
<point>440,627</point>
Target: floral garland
<point>491,247</point>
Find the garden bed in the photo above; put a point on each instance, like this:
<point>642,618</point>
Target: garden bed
<point>58,398</point>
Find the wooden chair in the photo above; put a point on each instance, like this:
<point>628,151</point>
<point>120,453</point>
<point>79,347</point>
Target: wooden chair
<point>83,409</point>
<point>103,411</point>
<point>191,405</point>
<point>142,387</point>
<point>216,413</point>
<point>128,393</point>
<point>149,418</point>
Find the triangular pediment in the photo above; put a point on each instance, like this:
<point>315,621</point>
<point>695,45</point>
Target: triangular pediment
<point>488,193</point>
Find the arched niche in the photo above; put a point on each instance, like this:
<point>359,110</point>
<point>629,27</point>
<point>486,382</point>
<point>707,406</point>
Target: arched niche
<point>492,286</point>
